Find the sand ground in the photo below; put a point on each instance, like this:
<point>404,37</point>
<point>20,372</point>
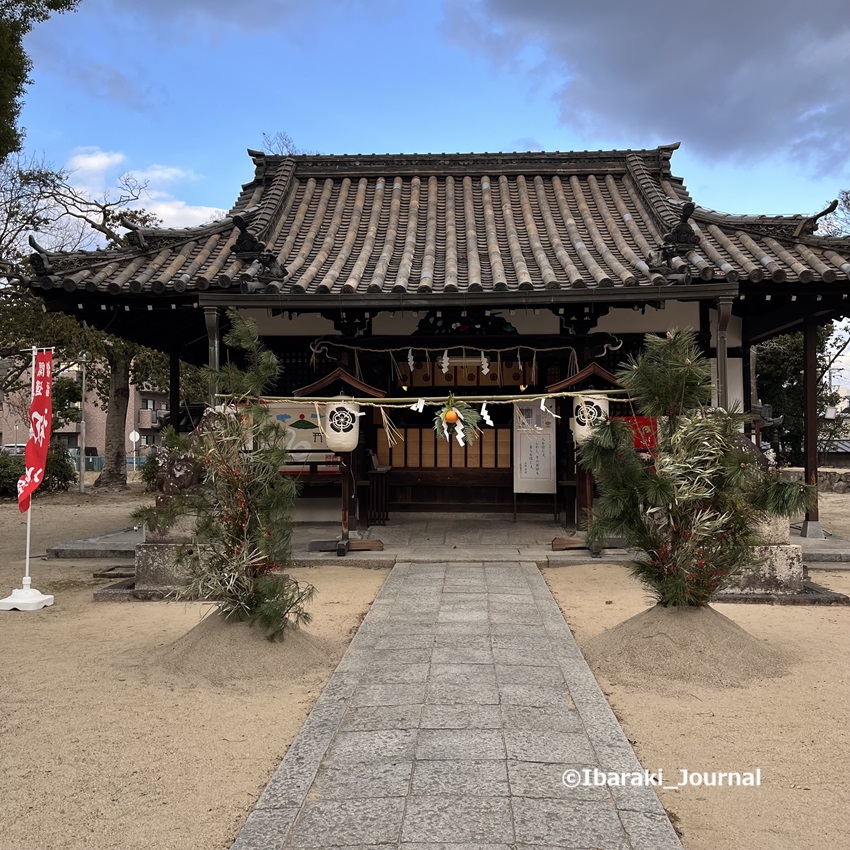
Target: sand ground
<point>140,725</point>
<point>793,727</point>
<point>134,725</point>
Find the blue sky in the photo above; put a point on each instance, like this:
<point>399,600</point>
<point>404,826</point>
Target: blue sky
<point>176,90</point>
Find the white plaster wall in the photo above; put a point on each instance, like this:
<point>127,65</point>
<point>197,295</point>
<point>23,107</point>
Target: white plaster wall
<point>391,323</point>
<point>530,322</point>
<point>304,324</point>
<point>396,323</point>
<point>681,315</point>
<point>527,322</point>
<point>675,314</point>
<point>736,381</point>
<point>735,376</point>
<point>734,333</point>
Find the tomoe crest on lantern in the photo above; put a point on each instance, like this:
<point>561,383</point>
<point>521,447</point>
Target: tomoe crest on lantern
<point>342,426</point>
<point>587,411</point>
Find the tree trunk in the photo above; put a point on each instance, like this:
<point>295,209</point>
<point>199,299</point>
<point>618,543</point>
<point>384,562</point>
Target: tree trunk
<point>119,357</point>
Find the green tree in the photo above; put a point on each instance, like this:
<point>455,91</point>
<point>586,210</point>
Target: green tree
<point>244,506</point>
<point>41,199</point>
<point>27,185</point>
<point>38,199</point>
<point>779,367</point>
<point>693,504</point>
<point>17,18</point>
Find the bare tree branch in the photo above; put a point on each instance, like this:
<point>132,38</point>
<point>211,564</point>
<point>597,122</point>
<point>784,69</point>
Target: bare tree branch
<point>103,215</point>
<point>282,144</point>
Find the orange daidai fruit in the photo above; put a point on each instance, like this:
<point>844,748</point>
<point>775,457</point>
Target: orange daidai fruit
<point>451,416</point>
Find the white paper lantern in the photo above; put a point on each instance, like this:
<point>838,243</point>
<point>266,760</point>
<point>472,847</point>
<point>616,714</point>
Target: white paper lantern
<point>342,426</point>
<point>587,411</point>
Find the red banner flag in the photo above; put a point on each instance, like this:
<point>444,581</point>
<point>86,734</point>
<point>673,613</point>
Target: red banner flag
<point>645,429</point>
<point>41,417</point>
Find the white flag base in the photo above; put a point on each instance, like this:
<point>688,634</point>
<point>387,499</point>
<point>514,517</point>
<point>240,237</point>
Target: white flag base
<point>26,598</point>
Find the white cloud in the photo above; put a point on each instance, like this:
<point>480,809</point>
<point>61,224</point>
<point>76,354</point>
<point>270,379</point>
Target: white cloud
<point>96,172</point>
<point>94,159</point>
<point>92,169</point>
<point>176,213</point>
<point>156,174</point>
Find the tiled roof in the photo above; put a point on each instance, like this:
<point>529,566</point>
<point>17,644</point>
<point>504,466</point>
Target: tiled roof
<point>346,225</point>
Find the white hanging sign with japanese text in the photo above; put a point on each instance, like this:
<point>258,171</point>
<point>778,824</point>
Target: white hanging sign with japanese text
<point>534,449</point>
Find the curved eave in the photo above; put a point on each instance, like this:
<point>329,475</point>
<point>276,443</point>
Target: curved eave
<point>418,301</point>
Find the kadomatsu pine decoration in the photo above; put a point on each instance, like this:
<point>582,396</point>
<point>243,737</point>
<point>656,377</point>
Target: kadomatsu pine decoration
<point>457,419</point>
<point>691,505</point>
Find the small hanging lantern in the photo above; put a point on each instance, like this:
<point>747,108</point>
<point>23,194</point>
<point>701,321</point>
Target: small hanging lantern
<point>342,425</point>
<point>587,411</point>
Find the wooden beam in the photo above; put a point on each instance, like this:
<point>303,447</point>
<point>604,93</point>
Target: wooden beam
<point>605,295</point>
<point>786,320</point>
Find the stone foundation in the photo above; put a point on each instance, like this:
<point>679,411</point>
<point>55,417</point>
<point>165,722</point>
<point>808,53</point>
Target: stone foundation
<point>829,480</point>
<point>775,531</point>
<point>778,569</point>
<point>777,566</point>
<point>156,568</point>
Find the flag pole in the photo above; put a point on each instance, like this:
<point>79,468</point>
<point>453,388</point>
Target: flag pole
<point>27,579</point>
<point>27,598</point>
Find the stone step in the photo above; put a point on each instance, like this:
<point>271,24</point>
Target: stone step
<point>118,544</point>
<point>85,549</point>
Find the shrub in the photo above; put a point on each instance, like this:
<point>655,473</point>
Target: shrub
<point>11,469</point>
<point>693,503</point>
<point>60,471</point>
<point>149,471</point>
<point>243,505</point>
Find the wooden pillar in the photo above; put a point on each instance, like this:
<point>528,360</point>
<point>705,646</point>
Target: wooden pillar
<point>345,467</point>
<point>750,428</point>
<point>811,525</point>
<point>724,313</point>
<point>211,318</point>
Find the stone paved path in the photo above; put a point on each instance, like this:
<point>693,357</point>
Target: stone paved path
<point>449,724</point>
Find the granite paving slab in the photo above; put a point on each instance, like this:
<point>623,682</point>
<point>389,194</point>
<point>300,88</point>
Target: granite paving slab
<point>452,722</point>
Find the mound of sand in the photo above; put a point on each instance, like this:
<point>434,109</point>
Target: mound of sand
<point>226,653</point>
<point>683,645</point>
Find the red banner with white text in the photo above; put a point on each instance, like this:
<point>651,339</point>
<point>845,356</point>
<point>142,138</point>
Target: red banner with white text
<point>41,416</point>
